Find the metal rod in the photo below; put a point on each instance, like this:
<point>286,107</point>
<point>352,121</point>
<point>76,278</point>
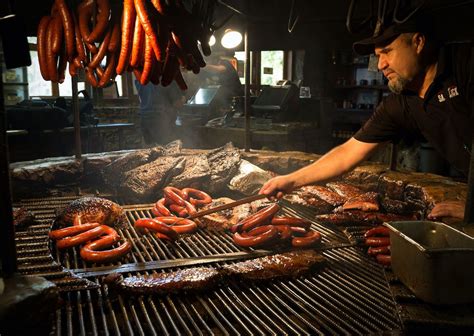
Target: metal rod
<point>393,156</point>
<point>227,206</point>
<point>468,210</point>
<point>77,122</point>
<point>247,90</point>
<point>7,229</point>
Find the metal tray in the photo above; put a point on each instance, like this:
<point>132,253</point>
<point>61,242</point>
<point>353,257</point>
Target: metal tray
<point>434,260</point>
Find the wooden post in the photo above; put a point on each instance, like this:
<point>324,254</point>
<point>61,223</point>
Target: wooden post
<point>77,121</point>
<point>7,230</point>
<point>247,90</point>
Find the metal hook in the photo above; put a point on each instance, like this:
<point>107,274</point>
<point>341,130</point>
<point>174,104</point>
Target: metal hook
<point>397,7</point>
<point>380,17</point>
<point>362,25</point>
<point>291,26</point>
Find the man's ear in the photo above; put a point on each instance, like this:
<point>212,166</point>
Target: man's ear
<point>418,41</point>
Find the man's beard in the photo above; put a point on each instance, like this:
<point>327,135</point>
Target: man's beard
<point>398,84</point>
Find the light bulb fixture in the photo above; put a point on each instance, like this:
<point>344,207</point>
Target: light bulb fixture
<point>212,40</point>
<point>231,39</point>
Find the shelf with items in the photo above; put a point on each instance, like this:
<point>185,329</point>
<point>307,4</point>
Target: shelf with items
<point>15,82</point>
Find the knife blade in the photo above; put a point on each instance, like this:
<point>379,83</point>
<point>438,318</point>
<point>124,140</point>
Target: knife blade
<point>227,206</point>
<point>193,261</point>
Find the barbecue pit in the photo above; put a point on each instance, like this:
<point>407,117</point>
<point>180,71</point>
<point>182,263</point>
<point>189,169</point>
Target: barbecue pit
<point>348,296</point>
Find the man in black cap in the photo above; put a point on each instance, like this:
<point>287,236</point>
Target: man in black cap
<point>433,98</point>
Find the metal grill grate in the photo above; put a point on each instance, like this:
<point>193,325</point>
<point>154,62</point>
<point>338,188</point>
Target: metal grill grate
<point>349,296</point>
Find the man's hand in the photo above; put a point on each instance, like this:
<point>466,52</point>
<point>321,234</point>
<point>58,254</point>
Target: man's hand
<point>454,209</point>
<point>278,186</point>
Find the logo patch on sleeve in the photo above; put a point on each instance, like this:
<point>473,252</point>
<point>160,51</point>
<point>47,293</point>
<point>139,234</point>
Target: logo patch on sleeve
<point>453,91</point>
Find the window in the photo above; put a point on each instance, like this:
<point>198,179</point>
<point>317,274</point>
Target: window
<point>271,70</point>
<point>240,56</point>
<point>37,86</point>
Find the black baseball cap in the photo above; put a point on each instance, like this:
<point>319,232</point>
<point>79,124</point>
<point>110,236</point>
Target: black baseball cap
<point>419,22</point>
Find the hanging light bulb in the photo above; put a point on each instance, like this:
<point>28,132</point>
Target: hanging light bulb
<point>212,41</point>
<point>231,39</point>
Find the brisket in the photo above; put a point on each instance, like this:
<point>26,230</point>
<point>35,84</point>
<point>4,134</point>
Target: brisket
<point>368,201</point>
<point>144,182</point>
<point>195,174</point>
<point>396,206</point>
<point>173,148</point>
<point>113,173</point>
<point>286,265</point>
<point>224,163</point>
<point>345,190</point>
<point>223,220</point>
<point>317,204</point>
<point>323,193</point>
<point>357,218</point>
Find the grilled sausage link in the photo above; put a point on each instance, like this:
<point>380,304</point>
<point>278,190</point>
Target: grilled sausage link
<point>255,241</point>
<point>196,197</point>
<point>291,221</point>
<point>155,226</point>
<point>71,230</point>
<point>377,241</point>
<point>378,250</point>
<point>93,251</point>
<point>174,196</point>
<point>260,217</point>
<point>309,239</point>
<point>80,238</point>
<point>384,259</point>
<point>377,231</point>
<point>180,225</point>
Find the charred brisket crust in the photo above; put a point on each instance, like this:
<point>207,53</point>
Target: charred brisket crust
<point>396,206</point>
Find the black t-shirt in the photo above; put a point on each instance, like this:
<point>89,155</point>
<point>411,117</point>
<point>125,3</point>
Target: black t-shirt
<point>444,117</point>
